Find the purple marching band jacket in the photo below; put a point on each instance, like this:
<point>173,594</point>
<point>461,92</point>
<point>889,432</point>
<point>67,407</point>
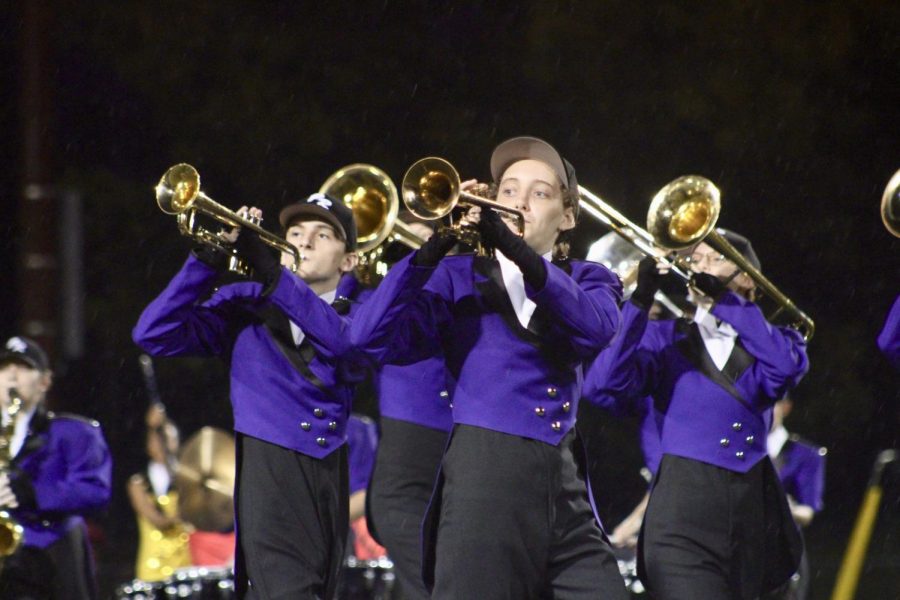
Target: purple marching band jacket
<point>298,400</point>
<point>718,417</point>
<point>509,379</point>
<point>63,471</point>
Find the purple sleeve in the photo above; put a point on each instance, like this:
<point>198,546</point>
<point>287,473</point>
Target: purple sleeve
<point>586,311</point>
<point>889,338</point>
<point>780,352</point>
<point>328,331</point>
<point>399,314</point>
<point>362,443</point>
<point>811,480</point>
<point>84,481</point>
<point>175,324</point>
<point>624,373</point>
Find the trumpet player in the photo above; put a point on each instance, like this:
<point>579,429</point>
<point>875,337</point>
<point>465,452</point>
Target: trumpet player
<point>60,470</point>
<point>717,524</point>
<point>285,336</point>
<point>511,516</point>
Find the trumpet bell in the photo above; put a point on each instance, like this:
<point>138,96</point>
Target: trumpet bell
<point>371,195</point>
<point>683,212</point>
<point>890,205</point>
<point>430,188</point>
<point>177,189</point>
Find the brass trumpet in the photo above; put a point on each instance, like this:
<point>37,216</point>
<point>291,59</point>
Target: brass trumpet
<point>373,198</point>
<point>11,531</point>
<point>890,205</point>
<point>684,213</point>
<point>178,193</point>
<point>431,190</point>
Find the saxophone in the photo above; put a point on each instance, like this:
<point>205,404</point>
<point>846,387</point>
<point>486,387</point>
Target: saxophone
<point>10,531</point>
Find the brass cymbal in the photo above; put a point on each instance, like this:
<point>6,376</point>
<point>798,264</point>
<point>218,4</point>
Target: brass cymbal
<point>204,478</point>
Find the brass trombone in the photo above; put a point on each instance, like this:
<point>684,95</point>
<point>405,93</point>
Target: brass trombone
<point>890,205</point>
<point>431,190</point>
<point>373,198</point>
<point>178,193</point>
<point>682,214</point>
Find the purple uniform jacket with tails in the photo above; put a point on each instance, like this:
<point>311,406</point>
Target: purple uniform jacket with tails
<point>508,378</point>
<point>297,399</point>
<point>362,444</point>
<point>719,417</point>
<point>801,468</point>
<point>63,471</point>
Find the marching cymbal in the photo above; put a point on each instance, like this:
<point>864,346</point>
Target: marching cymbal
<point>204,478</point>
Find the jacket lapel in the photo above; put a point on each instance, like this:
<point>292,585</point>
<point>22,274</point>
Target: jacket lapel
<point>693,348</point>
<point>35,439</point>
<point>279,328</point>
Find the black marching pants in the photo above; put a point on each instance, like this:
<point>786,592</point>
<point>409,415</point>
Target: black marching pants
<point>292,521</point>
<point>515,522</point>
<point>716,534</point>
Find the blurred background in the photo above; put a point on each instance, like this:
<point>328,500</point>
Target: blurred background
<point>790,107</point>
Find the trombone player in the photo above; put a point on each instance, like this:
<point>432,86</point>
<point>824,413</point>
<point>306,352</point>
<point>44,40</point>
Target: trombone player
<point>717,525</point>
<point>60,470</point>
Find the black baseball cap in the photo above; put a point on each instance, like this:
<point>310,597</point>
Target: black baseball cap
<point>24,350</point>
<point>323,207</point>
<point>742,245</point>
<point>525,147</point>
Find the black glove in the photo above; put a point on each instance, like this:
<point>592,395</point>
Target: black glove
<point>648,281</point>
<point>266,268</point>
<point>432,251</point>
<point>496,233</point>
<point>211,257</point>
<point>710,285</point>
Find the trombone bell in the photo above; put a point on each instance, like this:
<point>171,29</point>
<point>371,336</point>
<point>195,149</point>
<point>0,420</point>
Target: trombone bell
<point>683,212</point>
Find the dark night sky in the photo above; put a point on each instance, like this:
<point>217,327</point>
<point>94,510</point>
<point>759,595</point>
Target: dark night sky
<point>790,107</point>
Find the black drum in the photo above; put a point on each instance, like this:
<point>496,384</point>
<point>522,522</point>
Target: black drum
<point>367,580</point>
<point>198,583</point>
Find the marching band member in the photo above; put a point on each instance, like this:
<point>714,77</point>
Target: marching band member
<point>61,469</point>
<point>414,402</point>
<point>717,524</point>
<point>292,370</point>
<point>511,515</point>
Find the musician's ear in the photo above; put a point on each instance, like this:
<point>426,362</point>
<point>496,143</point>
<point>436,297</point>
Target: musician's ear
<point>349,262</point>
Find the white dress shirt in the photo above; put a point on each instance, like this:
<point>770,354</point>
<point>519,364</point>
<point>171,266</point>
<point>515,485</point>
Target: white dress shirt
<point>515,287</point>
<point>23,420</point>
<point>718,336</point>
